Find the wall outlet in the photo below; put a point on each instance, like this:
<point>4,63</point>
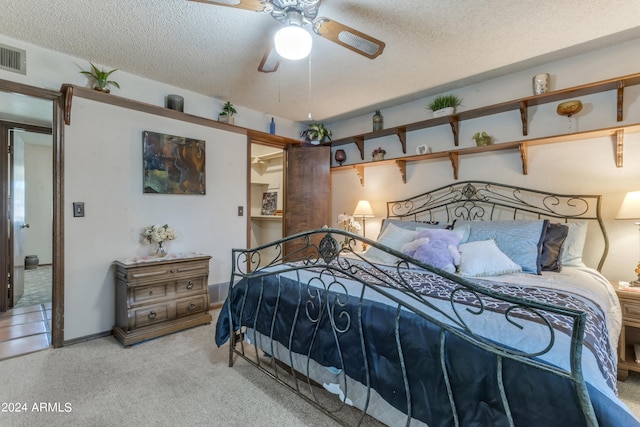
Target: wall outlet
<point>240,210</point>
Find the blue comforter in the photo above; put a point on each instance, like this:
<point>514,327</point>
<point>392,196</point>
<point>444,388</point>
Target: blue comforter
<point>327,326</point>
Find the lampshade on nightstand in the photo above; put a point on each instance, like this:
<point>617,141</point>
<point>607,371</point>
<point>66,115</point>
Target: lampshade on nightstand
<point>630,209</point>
<point>362,211</point>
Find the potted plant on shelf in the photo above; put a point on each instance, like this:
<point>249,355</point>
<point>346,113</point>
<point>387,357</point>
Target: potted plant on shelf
<point>102,78</point>
<point>444,105</point>
<point>316,134</point>
<point>226,115</point>
<point>482,139</point>
<point>378,154</point>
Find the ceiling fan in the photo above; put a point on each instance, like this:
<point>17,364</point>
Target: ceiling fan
<point>294,14</point>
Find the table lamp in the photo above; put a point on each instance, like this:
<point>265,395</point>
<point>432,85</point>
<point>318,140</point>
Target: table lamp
<point>630,209</point>
<point>362,211</point>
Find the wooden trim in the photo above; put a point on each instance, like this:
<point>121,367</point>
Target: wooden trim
<point>57,131</point>
<point>57,302</point>
<point>71,91</point>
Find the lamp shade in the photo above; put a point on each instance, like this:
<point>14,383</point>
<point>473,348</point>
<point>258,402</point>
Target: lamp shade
<point>363,210</point>
<point>293,42</point>
<point>630,208</point>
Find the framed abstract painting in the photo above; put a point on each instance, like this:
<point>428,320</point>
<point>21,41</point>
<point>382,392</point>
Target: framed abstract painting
<point>173,164</point>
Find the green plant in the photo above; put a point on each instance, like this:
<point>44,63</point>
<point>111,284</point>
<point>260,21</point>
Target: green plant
<point>482,138</point>
<point>444,101</point>
<point>316,131</point>
<point>228,109</point>
<point>101,77</point>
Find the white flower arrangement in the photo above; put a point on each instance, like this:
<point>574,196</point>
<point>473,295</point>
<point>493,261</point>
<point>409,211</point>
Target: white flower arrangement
<point>349,223</point>
<point>158,234</point>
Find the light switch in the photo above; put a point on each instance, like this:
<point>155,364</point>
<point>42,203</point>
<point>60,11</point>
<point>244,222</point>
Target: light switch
<point>240,210</point>
<point>78,209</point>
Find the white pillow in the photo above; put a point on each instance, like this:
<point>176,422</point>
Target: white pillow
<point>574,244</point>
<point>484,258</point>
<point>393,237</point>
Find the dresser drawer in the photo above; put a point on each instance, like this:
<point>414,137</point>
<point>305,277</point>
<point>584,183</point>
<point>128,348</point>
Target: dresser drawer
<point>188,306</point>
<point>147,273</point>
<point>194,284</point>
<point>630,309</point>
<point>150,315</point>
<point>146,293</point>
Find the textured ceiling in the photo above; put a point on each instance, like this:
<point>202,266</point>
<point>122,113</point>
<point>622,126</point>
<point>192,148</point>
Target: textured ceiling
<point>431,45</point>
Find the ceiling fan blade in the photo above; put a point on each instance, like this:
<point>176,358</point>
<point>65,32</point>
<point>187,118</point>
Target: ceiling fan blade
<point>270,61</point>
<point>254,5</point>
<point>348,37</point>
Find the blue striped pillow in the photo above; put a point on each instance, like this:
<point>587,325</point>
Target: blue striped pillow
<point>520,240</point>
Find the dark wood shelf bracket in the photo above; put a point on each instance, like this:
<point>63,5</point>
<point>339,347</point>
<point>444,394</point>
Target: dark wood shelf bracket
<point>620,99</point>
<point>453,121</point>
<point>402,136</point>
<point>68,97</point>
<point>359,141</point>
<point>453,157</point>
<point>524,108</point>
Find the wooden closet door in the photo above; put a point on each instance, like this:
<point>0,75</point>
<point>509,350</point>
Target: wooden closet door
<point>307,203</point>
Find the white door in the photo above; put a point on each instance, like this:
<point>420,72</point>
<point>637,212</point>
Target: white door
<point>17,216</point>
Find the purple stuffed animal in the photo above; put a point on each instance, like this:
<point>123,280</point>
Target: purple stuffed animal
<point>436,247</point>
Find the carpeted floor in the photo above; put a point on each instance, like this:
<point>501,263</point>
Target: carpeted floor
<point>179,379</point>
<point>37,287</point>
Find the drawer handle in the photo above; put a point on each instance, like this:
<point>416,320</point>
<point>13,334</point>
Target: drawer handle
<point>189,284</point>
<point>192,306</point>
<point>152,315</point>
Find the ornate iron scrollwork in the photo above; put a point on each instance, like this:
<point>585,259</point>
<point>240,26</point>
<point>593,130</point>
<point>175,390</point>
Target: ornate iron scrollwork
<point>328,248</point>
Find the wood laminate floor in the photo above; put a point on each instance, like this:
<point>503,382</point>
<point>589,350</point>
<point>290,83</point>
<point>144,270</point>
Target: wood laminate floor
<point>25,330</point>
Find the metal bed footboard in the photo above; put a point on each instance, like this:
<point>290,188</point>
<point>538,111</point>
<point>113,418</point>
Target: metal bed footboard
<point>281,327</point>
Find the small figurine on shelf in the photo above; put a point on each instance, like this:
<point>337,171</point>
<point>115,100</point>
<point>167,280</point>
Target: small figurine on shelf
<point>378,154</point>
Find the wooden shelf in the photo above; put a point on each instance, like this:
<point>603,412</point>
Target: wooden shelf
<point>522,105</point>
<point>617,133</point>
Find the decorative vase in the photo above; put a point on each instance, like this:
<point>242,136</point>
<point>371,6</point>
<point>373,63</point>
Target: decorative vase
<point>378,156</point>
<point>175,102</point>
<point>540,83</point>
<point>340,156</point>
<point>161,251</point>
<point>378,121</point>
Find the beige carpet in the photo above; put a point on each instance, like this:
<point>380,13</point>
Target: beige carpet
<point>180,379</point>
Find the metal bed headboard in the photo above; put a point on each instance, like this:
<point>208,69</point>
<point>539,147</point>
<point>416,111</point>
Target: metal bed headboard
<point>487,201</point>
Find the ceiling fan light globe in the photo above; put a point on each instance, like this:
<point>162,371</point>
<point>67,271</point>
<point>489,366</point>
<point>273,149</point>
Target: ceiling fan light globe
<point>293,42</point>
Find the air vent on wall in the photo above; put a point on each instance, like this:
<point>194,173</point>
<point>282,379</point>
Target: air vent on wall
<point>13,59</point>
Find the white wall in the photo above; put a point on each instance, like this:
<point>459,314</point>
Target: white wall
<point>586,166</point>
<point>103,169</point>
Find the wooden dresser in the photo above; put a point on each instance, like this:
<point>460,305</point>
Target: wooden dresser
<point>158,296</point>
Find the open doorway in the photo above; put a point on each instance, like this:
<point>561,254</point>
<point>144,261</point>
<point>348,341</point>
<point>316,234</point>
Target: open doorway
<point>35,255</point>
<point>32,109</point>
